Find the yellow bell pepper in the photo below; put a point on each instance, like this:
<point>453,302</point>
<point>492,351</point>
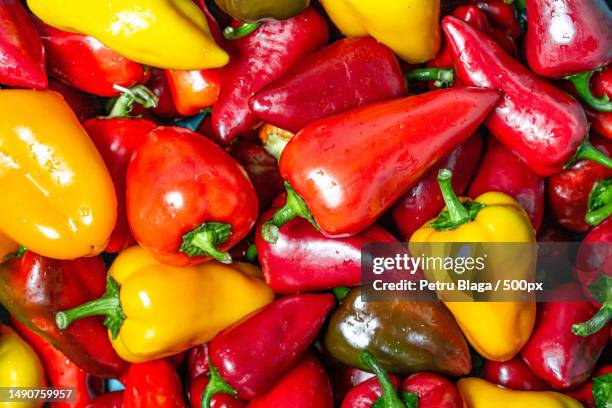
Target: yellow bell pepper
<point>497,330</point>
<point>19,366</point>
<point>478,393</point>
<point>170,34</point>
<point>7,246</point>
<point>59,198</point>
<point>154,310</point>
<point>409,27</point>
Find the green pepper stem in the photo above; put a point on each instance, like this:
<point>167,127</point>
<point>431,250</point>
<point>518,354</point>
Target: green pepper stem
<point>108,305</point>
<point>587,151</point>
<point>341,292</point>
<point>231,33</point>
<point>294,207</point>
<point>582,82</point>
<point>216,384</point>
<point>125,102</point>
<point>600,202</point>
<point>596,323</point>
<point>594,218</point>
<point>275,144</point>
<point>251,253</point>
<point>443,77</point>
<point>389,396</point>
<point>15,255</point>
<point>458,213</point>
<point>204,240</point>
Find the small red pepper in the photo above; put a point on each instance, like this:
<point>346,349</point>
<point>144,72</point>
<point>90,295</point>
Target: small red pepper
<point>220,400</point>
<point>257,60</point>
<point>601,85</point>
<point>432,390</point>
<point>86,64</point>
<point>555,354</point>
<point>585,393</point>
<point>304,386</point>
<point>158,84</point>
<point>514,374</point>
<point>365,394</point>
<point>502,15</point>
<point>502,171</point>
<point>344,378</point>
<point>108,400</point>
<point>193,91</point>
<point>187,200</point>
<point>197,361</point>
<point>424,201</point>
<point>346,74</point>
<point>84,105</point>
<point>345,183</point>
<point>538,122</point>
<point>23,56</point>
<point>255,352</point>
<point>153,384</point>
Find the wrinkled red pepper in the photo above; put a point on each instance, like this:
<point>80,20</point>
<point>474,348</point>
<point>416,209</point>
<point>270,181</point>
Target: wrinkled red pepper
<point>257,60</point>
<point>343,190</point>
<point>187,200</point>
<point>349,73</point>
<point>501,170</point>
<point>23,55</point>
<point>109,400</point>
<point>193,91</point>
<point>432,390</point>
<point>84,105</point>
<point>514,374</point>
<point>153,384</point>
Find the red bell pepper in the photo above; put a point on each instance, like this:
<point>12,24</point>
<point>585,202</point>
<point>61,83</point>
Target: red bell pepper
<point>61,372</point>
<point>23,55</point>
<point>503,16</point>
<point>153,384</point>
<point>567,38</point>
<point>34,288</point>
<point>255,352</point>
<point>158,84</point>
<point>84,105</point>
<point>555,354</point>
<point>256,61</point>
<point>343,189</point>
<point>541,124</point>
<point>304,386</point>
<point>569,191</point>
<point>117,136</point>
<point>193,91</point>
<point>585,393</point>
<point>424,202</point>
<point>187,200</point>
<point>86,64</point>
<point>514,374</point>
<point>432,390</point>
<point>344,75</point>
<point>501,170</point>
<point>220,400</point>
<point>109,400</point>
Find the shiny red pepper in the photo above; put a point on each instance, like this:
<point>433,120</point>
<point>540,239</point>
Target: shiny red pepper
<point>86,64</point>
<point>344,378</point>
<point>365,394</point>
<point>257,60</point>
<point>109,400</point>
<point>197,361</point>
<point>21,50</point>
<point>304,386</point>
<point>345,183</point>
<point>61,372</point>
<point>255,352</point>
<point>541,124</point>
<point>153,384</point>
<point>502,171</point>
<point>502,15</point>
<point>555,354</point>
<point>193,91</point>
<point>347,74</point>
<point>424,202</point>
<point>584,393</point>
<point>569,191</point>
<point>601,85</point>
<point>84,105</point>
<point>187,200</point>
<point>514,374</point>
<point>432,390</point>
<point>158,84</point>
<point>34,288</point>
<point>220,400</point>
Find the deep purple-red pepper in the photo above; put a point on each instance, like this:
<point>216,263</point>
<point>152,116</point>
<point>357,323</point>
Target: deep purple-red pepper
<point>514,374</point>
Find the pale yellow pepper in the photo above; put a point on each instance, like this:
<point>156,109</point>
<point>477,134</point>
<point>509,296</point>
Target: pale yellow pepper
<point>409,27</point>
<point>170,34</point>
<point>478,393</point>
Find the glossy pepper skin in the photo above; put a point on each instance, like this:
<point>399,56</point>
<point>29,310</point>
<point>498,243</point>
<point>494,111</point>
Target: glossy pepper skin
<point>251,11</point>
<point>553,352</point>
<point>365,394</point>
<point>498,218</point>
<point>406,337</point>
<point>259,59</point>
<point>20,366</point>
<point>192,91</point>
<point>389,24</point>
<point>108,400</point>
<point>568,37</point>
<point>345,189</point>
<point>255,352</point>
<point>601,85</point>
<point>22,52</point>
<point>347,74</point>
<point>61,372</point>
<point>304,386</point>
<point>502,15</point>
<point>569,191</point>
<point>158,84</point>
<point>541,124</point>
<point>220,400</point>
<point>33,288</point>
<point>424,201</point>
<point>98,68</point>
<point>62,202</point>
<point>187,200</point>
<point>165,34</point>
<point>514,374</point>
<point>153,384</point>
<point>502,171</point>
<point>433,390</point>
<point>478,393</point>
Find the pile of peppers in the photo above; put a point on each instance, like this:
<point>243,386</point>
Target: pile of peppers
<point>188,186</point>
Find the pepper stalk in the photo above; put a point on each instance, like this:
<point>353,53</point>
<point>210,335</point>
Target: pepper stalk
<point>205,239</point>
<point>582,83</point>
<point>601,290</point>
<point>216,384</point>
<point>600,202</point>
<point>125,102</point>
<point>587,151</point>
<point>389,397</point>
